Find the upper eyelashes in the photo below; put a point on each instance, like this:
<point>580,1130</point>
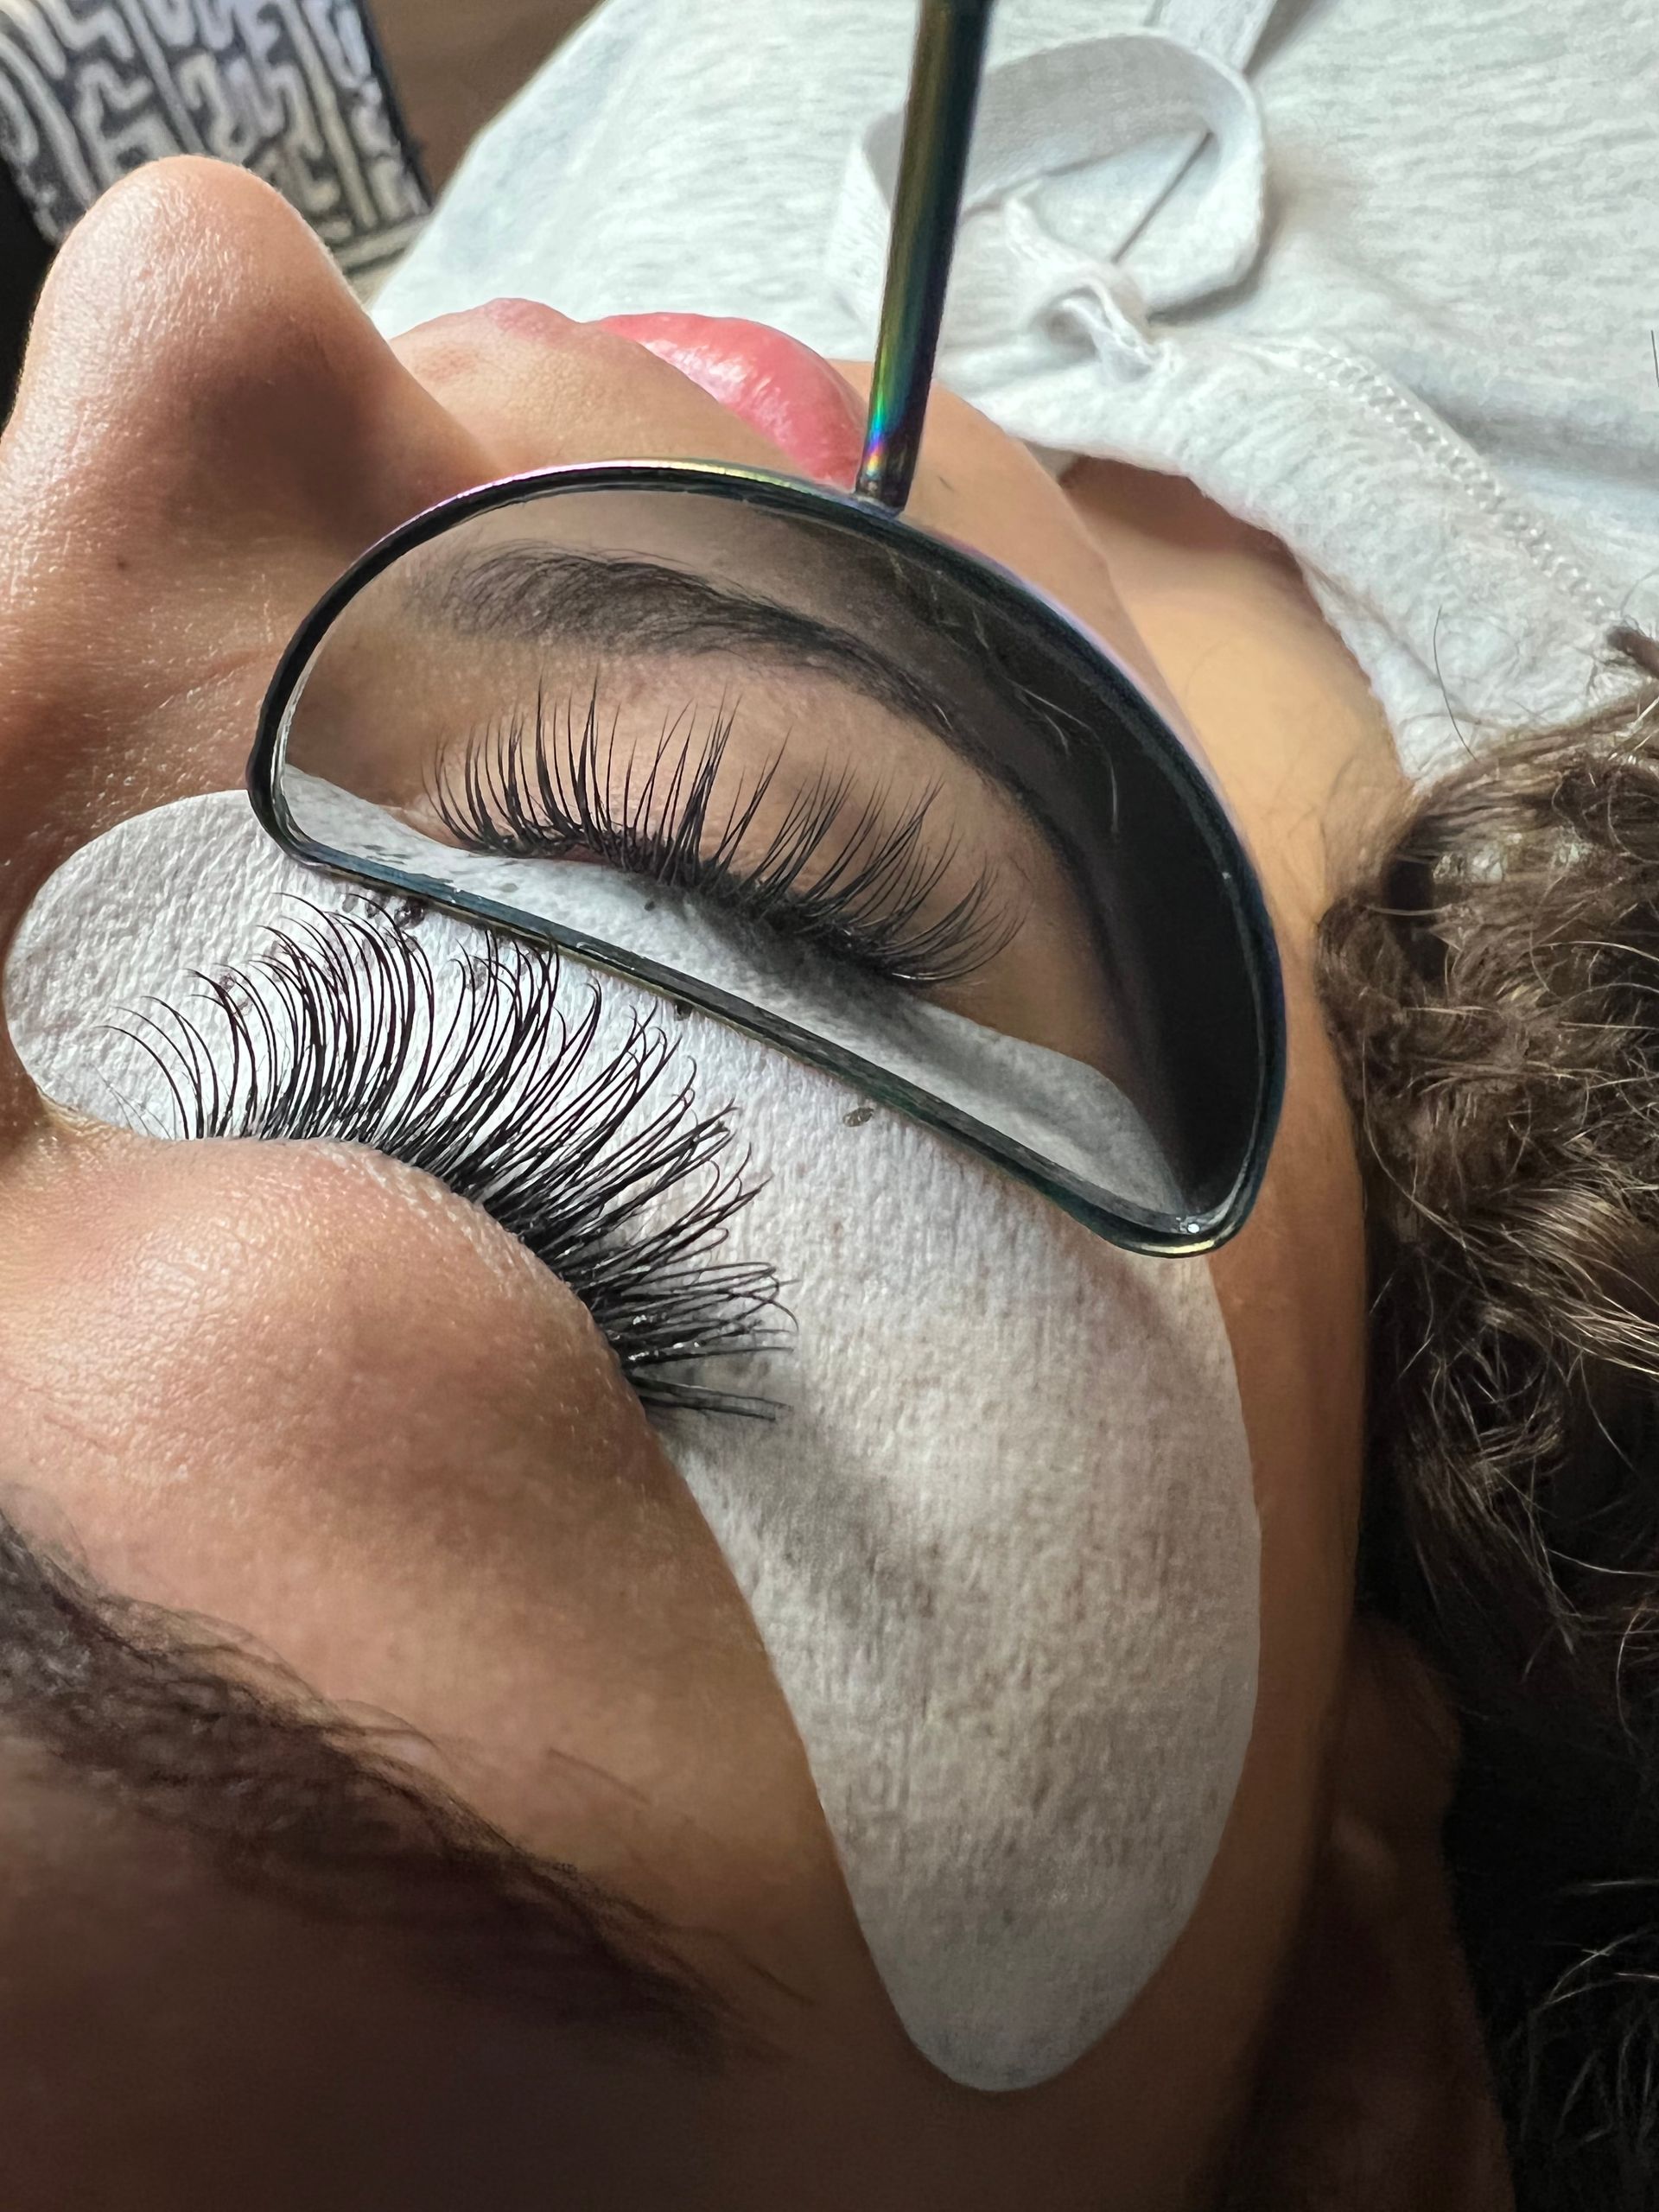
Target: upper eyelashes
<point>832,871</point>
<point>340,1033</point>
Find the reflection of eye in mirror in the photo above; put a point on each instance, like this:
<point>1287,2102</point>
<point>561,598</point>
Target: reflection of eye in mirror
<point>761,759</point>
<point>880,880</point>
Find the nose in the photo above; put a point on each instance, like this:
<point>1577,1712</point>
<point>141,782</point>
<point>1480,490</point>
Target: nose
<point>209,429</point>
<point>197,362</point>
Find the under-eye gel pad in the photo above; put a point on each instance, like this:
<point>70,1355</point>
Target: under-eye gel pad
<point>1067,1113</point>
<point>999,1542</point>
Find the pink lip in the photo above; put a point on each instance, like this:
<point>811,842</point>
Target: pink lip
<point>778,386</point>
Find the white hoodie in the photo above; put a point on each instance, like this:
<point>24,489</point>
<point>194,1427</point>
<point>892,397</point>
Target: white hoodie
<point>1380,278</point>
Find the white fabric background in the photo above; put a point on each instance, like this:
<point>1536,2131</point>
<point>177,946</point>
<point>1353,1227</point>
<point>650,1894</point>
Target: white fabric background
<point>1396,311</point>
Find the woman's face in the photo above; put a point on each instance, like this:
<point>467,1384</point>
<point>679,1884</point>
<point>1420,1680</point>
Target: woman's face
<point>306,1393</point>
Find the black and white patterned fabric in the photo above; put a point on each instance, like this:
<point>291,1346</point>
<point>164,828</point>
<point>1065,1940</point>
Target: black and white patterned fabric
<point>293,90</point>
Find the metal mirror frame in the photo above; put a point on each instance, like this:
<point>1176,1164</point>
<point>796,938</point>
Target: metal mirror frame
<point>1135,716</point>
<point>949,63</point>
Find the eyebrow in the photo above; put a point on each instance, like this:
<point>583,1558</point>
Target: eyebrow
<point>170,1718</point>
<point>624,602</point>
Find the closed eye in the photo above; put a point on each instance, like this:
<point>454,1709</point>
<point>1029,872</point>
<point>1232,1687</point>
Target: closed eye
<point>497,1078</point>
<point>880,886</point>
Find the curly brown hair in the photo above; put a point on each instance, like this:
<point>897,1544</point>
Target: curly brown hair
<point>1493,987</point>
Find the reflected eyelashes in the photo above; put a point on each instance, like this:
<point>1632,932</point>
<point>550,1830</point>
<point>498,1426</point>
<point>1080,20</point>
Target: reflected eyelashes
<point>841,873</point>
<point>594,1155</point>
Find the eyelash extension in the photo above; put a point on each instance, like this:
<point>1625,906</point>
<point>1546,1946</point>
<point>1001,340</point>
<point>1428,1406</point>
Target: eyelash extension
<point>337,1034</point>
<point>530,787</point>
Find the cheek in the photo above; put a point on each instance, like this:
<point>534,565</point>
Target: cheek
<point>208,429</point>
<point>1292,1287</point>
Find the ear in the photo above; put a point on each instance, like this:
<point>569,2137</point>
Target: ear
<point>1375,2093</point>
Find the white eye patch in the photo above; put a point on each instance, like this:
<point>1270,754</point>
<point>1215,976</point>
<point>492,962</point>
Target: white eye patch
<point>1060,1110</point>
<point>1001,1545</point>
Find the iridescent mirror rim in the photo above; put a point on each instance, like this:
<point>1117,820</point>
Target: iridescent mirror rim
<point>1192,1234</point>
